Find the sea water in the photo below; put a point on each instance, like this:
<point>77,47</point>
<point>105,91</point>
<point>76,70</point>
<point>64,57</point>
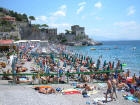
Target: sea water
<point>126,51</point>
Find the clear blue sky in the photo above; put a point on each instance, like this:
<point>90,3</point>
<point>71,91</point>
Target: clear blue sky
<point>102,19</point>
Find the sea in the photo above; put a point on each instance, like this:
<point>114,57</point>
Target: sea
<point>128,52</point>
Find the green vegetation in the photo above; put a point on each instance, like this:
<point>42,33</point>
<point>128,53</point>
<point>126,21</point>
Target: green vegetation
<point>67,31</point>
<point>18,16</point>
<point>44,25</point>
<point>79,37</point>
<point>31,18</point>
<point>6,26</point>
<point>61,38</point>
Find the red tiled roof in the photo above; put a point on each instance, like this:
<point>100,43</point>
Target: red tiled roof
<point>2,42</point>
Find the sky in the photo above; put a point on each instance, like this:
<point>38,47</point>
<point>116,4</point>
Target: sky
<point>102,19</point>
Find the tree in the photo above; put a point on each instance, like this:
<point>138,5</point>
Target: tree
<point>68,31</point>
<point>31,18</point>
<point>25,18</point>
<point>1,9</point>
<point>44,25</point>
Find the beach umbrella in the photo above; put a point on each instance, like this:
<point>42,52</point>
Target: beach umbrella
<point>91,61</point>
<point>87,65</point>
<point>67,57</point>
<point>108,68</point>
<point>62,54</point>
<point>53,60</point>
<point>104,63</point>
<point>112,65</point>
<point>20,54</point>
<point>81,62</point>
<point>116,74</point>
<point>41,64</point>
<point>121,66</point>
<point>78,69</point>
<point>71,66</point>
<point>84,58</point>
<point>47,70</point>
<point>72,59</point>
<point>97,67</point>
<point>13,66</point>
<point>64,65</point>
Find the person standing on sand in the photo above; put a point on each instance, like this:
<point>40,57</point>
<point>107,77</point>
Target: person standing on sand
<point>109,89</point>
<point>114,85</point>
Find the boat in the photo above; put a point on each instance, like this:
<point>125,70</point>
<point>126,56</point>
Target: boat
<point>92,48</point>
<point>134,48</point>
<point>115,47</point>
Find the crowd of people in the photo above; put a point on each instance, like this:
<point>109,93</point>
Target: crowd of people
<point>60,65</point>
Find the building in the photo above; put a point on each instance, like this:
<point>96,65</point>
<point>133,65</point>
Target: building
<point>51,31</point>
<point>4,35</point>
<point>6,45</point>
<point>77,30</point>
<point>9,18</point>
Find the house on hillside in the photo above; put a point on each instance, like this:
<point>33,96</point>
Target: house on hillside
<point>9,18</point>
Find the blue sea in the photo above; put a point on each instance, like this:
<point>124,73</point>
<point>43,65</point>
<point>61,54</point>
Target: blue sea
<point>124,52</point>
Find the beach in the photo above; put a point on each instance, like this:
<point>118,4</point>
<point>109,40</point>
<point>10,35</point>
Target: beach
<point>22,92</point>
<point>25,95</point>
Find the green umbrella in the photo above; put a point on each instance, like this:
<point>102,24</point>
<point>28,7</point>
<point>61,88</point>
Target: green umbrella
<point>84,58</point>
<point>97,67</point>
<point>112,65</point>
<point>67,57</point>
<point>87,64</point>
<point>104,63</point>
<point>91,61</point>
<point>81,62</point>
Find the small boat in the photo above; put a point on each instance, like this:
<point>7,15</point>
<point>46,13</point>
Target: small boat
<point>134,48</point>
<point>92,48</point>
<point>115,47</point>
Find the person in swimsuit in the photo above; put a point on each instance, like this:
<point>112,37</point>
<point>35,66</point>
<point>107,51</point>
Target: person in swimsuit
<point>109,89</point>
<point>114,85</point>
